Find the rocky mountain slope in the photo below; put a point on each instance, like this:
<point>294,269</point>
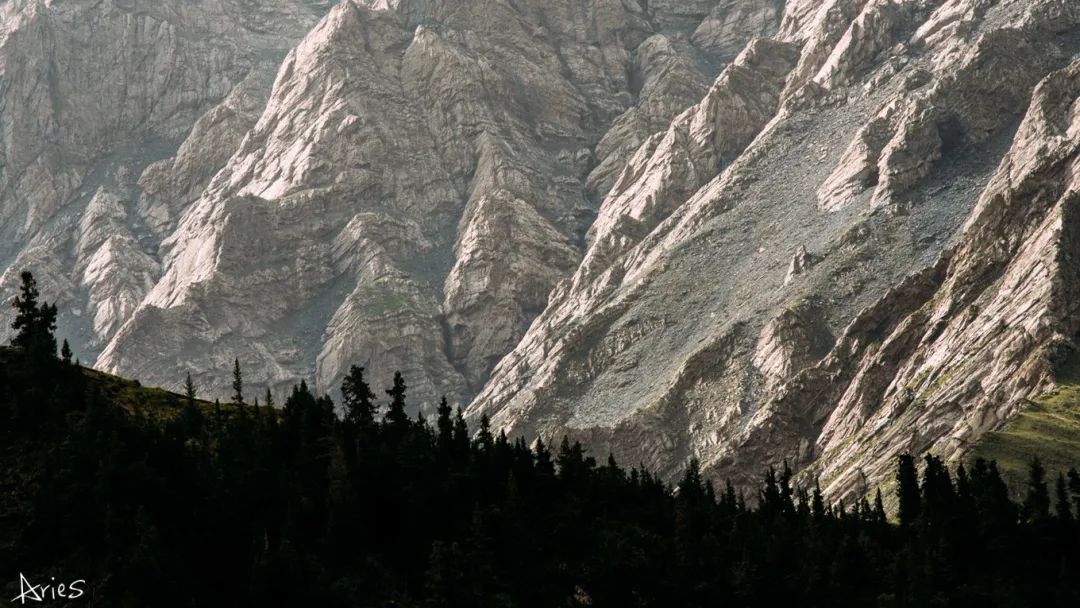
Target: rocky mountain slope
<point>855,245</point>
<point>114,116</point>
<point>738,230</point>
<point>405,193</point>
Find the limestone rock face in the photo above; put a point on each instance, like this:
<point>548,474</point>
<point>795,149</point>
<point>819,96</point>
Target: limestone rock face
<point>738,230</point>
<point>398,184</point>
<point>891,142</point>
<point>91,95</point>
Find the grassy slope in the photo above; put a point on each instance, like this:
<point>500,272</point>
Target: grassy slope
<point>1047,427</point>
<point>153,403</point>
<point>22,462</point>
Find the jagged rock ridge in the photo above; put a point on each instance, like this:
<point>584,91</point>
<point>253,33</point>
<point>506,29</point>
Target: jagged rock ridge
<point>404,192</point>
<point>822,298</point>
<point>738,230</point>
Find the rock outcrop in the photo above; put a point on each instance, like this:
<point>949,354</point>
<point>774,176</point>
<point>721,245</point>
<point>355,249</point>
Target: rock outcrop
<point>695,333</point>
<point>744,231</point>
<point>91,95</point>
<point>401,189</point>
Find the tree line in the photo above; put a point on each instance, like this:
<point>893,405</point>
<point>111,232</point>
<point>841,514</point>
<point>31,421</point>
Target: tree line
<point>253,505</point>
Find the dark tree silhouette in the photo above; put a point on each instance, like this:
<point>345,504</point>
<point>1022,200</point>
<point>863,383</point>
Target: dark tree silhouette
<point>395,413</point>
<point>237,383</point>
<point>34,323</point>
<point>357,397</point>
<point>907,490</point>
<point>189,390</point>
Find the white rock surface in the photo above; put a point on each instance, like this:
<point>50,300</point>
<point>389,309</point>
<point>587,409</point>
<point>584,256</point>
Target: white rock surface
<point>591,217</point>
<point>689,331</point>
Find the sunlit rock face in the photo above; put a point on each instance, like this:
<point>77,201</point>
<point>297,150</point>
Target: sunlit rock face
<point>858,243</point>
<point>309,185</point>
<point>745,231</point>
<point>113,117</point>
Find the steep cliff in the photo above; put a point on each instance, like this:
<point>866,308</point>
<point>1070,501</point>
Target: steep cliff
<point>744,231</point>
<point>95,94</point>
<point>790,272</point>
<point>420,178</point>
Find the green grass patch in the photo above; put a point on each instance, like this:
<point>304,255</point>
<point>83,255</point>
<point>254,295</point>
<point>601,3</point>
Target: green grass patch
<point>153,404</point>
<point>1047,427</point>
<point>385,303</point>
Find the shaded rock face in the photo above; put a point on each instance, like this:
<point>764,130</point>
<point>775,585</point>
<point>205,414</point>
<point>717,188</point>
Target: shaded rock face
<point>396,184</point>
<point>922,151</point>
<point>738,230</point>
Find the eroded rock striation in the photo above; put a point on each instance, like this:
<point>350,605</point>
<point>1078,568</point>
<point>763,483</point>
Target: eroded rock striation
<point>397,184</point>
<point>894,146</point>
<point>744,231</point>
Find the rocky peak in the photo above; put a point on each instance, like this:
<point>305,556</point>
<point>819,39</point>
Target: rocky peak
<point>888,121</point>
<point>738,230</point>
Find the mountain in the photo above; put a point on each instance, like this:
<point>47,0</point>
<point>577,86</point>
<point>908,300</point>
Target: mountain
<point>746,231</point>
<point>427,170</point>
<point>873,258</point>
<point>115,116</point>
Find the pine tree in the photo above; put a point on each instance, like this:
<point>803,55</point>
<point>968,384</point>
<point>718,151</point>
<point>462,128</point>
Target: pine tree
<point>357,398</point>
<point>817,503</point>
<point>1062,506</point>
<point>484,439</point>
<point>65,353</point>
<point>1037,502</point>
<point>444,428</point>
<point>269,399</point>
<point>907,490</point>
<point>879,508</point>
<point>237,383</point>
<point>396,415</point>
<point>461,435</point>
<point>189,390</point>
<point>34,324</point>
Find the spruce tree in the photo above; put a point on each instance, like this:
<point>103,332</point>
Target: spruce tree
<point>395,415</point>
<point>237,383</point>
<point>484,439</point>
<point>1062,506</point>
<point>444,428</point>
<point>189,390</point>
<point>879,508</point>
<point>907,490</point>
<point>357,398</point>
<point>786,490</point>
<point>544,464</point>
<point>27,313</point>
<point>1074,488</point>
<point>817,503</point>
<point>269,399</point>
<point>1037,502</point>
<point>34,323</point>
<point>770,499</point>
<point>461,435</point>
<point>65,353</point>
<point>691,488</point>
